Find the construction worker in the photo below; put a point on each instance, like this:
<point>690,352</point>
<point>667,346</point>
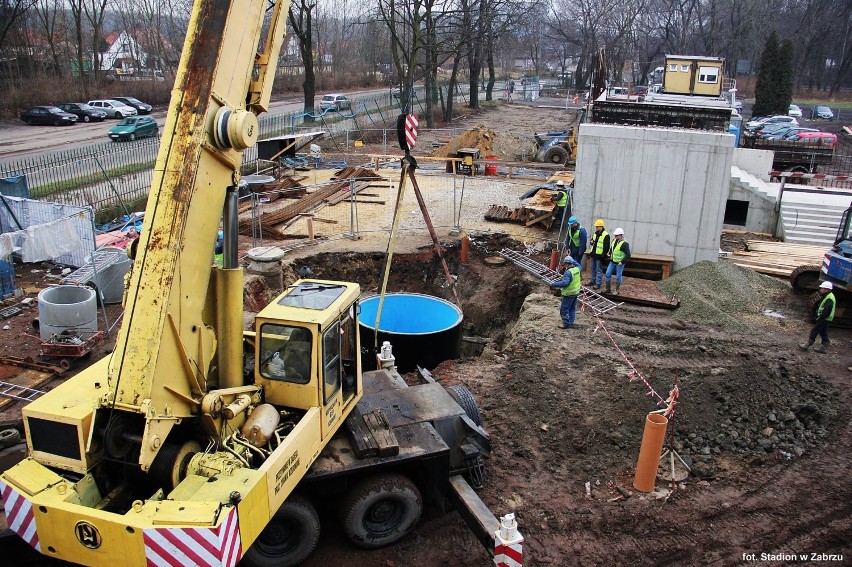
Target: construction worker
<point>576,241</point>
<point>598,250</point>
<point>570,286</point>
<point>619,252</point>
<point>561,199</point>
<point>824,315</point>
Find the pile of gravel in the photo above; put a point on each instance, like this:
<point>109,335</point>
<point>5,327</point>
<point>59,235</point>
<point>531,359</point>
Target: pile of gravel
<point>720,294</point>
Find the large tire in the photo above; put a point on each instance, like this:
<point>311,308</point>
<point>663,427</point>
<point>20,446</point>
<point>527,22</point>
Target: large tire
<point>805,279</point>
<point>9,437</point>
<point>465,399</point>
<point>556,155</point>
<point>86,118</point>
<point>289,538</point>
<point>381,510</point>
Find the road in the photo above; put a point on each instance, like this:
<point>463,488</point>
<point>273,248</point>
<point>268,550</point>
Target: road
<point>19,141</point>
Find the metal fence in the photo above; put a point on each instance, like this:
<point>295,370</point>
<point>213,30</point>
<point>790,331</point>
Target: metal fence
<point>454,203</point>
<point>115,178</point>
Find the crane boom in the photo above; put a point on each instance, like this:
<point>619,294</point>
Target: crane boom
<point>170,345</point>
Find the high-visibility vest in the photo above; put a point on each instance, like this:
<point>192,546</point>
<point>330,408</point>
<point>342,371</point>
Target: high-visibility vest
<point>615,250</point>
<point>563,199</point>
<point>822,306</point>
<point>598,250</point>
<point>572,288</point>
<point>574,235</point>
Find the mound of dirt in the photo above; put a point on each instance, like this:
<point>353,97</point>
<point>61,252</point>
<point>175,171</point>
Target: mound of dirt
<point>721,294</point>
<point>479,137</point>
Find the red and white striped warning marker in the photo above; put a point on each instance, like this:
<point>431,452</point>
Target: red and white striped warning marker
<point>19,515</point>
<point>801,175</point>
<point>508,543</point>
<point>411,130</point>
<point>202,547</point>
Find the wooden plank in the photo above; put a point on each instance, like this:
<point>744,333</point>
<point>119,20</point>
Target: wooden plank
<point>652,258</point>
<point>382,433</point>
<point>26,378</point>
<point>363,442</point>
<point>534,220</point>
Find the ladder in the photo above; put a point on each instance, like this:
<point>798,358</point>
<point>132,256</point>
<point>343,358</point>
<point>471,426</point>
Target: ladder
<point>21,393</point>
<point>589,298</point>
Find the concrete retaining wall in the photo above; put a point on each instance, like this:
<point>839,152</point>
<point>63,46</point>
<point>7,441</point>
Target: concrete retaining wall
<point>756,162</point>
<point>667,188</point>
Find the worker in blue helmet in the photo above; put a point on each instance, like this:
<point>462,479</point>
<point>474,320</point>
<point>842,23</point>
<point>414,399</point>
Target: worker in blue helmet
<point>569,287</point>
<point>576,241</point>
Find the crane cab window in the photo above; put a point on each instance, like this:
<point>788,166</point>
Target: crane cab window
<point>339,351</point>
<point>285,353</point>
<point>311,295</point>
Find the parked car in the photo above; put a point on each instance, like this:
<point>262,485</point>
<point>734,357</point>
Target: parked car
<point>47,115</point>
<point>778,119</point>
<point>823,112</point>
<point>788,132</point>
<point>113,108</point>
<point>133,128</point>
<point>83,111</point>
<point>141,107</point>
<point>764,130</point>
<point>738,105</point>
<point>815,138</point>
<point>335,102</point>
<point>794,111</point>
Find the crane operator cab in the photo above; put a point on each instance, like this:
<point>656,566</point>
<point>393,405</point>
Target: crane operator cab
<point>307,348</point>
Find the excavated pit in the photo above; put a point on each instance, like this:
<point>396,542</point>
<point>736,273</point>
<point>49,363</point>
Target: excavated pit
<point>491,296</point>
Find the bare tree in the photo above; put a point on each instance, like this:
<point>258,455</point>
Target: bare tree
<point>95,11</point>
<point>50,18</point>
<point>301,22</point>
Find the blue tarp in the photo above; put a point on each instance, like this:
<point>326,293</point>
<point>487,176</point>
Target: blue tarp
<point>15,187</point>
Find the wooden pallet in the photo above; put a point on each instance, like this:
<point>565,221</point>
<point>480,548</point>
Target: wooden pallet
<point>777,258</point>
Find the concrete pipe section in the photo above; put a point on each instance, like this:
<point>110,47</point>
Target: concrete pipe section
<point>423,330</point>
<point>65,307</point>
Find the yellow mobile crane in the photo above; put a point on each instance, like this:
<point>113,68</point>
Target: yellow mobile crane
<point>185,445</point>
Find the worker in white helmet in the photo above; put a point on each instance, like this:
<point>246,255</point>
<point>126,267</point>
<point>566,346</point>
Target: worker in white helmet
<point>560,197</point>
<point>824,315</point>
<point>619,252</point>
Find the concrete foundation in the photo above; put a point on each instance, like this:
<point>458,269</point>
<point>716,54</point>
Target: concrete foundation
<point>666,188</point>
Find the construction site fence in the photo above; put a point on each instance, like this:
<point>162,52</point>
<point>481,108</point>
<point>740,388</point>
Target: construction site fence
<point>113,177</point>
<point>454,203</point>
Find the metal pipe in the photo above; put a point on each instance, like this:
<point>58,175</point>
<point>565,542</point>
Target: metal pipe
<point>230,225</point>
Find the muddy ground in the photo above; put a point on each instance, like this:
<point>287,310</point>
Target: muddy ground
<point>766,427</point>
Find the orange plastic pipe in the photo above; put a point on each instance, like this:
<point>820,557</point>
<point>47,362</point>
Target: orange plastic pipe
<point>465,246</point>
<point>554,259</point>
<point>649,452</point>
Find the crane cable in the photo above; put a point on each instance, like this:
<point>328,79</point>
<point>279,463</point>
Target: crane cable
<point>391,244</point>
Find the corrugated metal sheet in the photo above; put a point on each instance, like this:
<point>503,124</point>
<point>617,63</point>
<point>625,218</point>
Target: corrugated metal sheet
<point>19,214</point>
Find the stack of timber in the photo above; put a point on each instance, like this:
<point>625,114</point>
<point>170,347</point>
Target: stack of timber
<point>499,213</point>
<point>336,190</point>
<point>777,258</point>
<point>364,176</point>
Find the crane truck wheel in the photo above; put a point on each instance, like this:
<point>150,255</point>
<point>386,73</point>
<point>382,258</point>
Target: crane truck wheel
<point>289,538</point>
<point>381,510</point>
<point>805,279</point>
<point>557,155</point>
<point>464,398</point>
